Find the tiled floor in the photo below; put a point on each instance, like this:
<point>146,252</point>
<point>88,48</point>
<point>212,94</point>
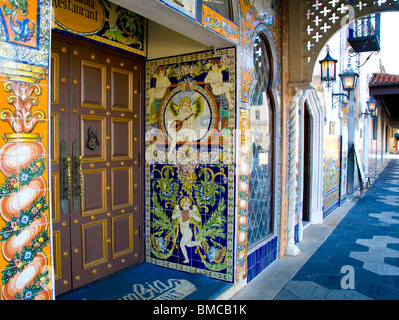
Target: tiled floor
<point>366,240</point>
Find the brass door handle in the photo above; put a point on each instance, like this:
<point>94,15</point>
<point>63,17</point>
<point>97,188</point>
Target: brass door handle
<point>77,176</point>
<point>69,178</point>
<point>80,159</point>
<point>64,187</point>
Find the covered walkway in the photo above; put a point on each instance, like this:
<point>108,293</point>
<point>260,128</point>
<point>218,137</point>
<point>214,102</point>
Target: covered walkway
<point>353,255</point>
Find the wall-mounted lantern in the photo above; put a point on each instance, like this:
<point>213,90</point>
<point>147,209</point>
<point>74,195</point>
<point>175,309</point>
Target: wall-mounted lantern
<point>329,75</point>
<point>328,69</point>
<point>372,105</point>
<point>372,108</point>
<point>349,82</point>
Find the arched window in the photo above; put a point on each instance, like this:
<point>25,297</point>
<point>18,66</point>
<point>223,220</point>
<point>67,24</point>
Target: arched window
<point>262,147</point>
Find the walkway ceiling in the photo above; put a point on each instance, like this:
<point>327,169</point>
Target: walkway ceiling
<point>160,13</point>
<point>385,88</point>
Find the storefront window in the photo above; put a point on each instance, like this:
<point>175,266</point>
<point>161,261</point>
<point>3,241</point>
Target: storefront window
<point>221,6</point>
<point>261,155</point>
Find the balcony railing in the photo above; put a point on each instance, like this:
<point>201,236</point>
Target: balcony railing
<point>364,33</point>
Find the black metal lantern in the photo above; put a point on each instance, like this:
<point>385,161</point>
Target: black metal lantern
<point>372,105</point>
<point>349,80</point>
<point>328,69</point>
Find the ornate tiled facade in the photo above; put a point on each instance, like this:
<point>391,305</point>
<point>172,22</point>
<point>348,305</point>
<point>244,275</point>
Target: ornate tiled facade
<point>197,121</point>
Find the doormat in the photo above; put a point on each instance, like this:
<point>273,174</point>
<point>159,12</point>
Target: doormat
<point>150,282</point>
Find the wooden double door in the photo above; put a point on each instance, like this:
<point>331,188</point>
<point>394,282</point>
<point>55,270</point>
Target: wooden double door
<point>96,162</point>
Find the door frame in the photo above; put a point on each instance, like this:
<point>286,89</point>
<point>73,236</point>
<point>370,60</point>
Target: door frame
<point>316,139</point>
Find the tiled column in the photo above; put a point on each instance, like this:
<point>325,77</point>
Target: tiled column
<point>24,158</point>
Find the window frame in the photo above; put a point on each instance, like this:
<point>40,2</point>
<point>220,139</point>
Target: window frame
<point>272,104</point>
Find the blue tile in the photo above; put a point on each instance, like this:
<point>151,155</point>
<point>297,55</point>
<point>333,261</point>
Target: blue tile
<point>345,260</point>
<point>348,247</point>
<point>391,281</point>
<point>392,261</point>
<point>319,256</point>
<point>251,260</point>
<point>305,274</point>
<point>330,281</point>
<point>364,276</point>
<point>250,275</point>
<point>378,291</point>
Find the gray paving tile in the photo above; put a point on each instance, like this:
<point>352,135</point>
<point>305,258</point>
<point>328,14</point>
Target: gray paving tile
<point>286,295</point>
<point>307,290</point>
<point>346,295</point>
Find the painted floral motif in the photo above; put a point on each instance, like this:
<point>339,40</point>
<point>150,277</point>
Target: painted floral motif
<point>23,203</point>
<point>24,223</point>
<point>220,24</point>
<point>21,25</point>
<point>125,27</point>
<point>187,218</point>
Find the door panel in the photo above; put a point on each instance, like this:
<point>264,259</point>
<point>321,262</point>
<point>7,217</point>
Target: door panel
<point>121,81</point>
<point>122,188</point>
<point>94,243</point>
<point>96,110</point>
<point>122,233</point>
<point>93,138</point>
<point>94,200</point>
<point>93,77</point>
<point>121,149</point>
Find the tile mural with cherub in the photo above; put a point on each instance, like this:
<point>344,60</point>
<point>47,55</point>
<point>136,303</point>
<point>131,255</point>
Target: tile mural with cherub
<point>190,122</point>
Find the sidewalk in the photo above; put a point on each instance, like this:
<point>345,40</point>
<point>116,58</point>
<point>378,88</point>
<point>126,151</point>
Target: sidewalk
<point>359,239</point>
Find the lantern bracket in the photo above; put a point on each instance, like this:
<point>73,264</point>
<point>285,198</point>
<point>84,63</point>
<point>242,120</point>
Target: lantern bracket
<point>338,96</point>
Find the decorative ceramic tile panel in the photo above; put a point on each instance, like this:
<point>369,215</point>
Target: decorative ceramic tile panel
<point>25,38</point>
<point>190,122</point>
<point>332,173</point>
<point>254,14</point>
<point>25,262</point>
<point>216,22</point>
<point>257,16</point>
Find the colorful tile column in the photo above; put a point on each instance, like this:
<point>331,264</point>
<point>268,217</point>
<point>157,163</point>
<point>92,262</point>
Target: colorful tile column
<point>25,262</point>
<point>264,17</point>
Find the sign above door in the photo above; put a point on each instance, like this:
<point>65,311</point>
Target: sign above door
<point>82,17</point>
<point>102,21</point>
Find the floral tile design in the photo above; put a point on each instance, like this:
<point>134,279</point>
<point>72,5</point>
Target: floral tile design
<point>25,263</point>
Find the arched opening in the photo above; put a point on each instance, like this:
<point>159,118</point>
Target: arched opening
<point>307,162</point>
<point>317,23</point>
<point>261,190</point>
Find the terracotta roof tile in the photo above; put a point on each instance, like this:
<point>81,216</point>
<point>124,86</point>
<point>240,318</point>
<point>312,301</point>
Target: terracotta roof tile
<point>383,79</point>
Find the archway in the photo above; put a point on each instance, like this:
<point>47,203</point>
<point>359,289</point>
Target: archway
<point>317,23</point>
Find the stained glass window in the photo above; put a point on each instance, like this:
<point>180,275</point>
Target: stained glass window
<point>261,155</point>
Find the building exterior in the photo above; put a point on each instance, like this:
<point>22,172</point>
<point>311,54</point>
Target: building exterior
<point>161,131</point>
